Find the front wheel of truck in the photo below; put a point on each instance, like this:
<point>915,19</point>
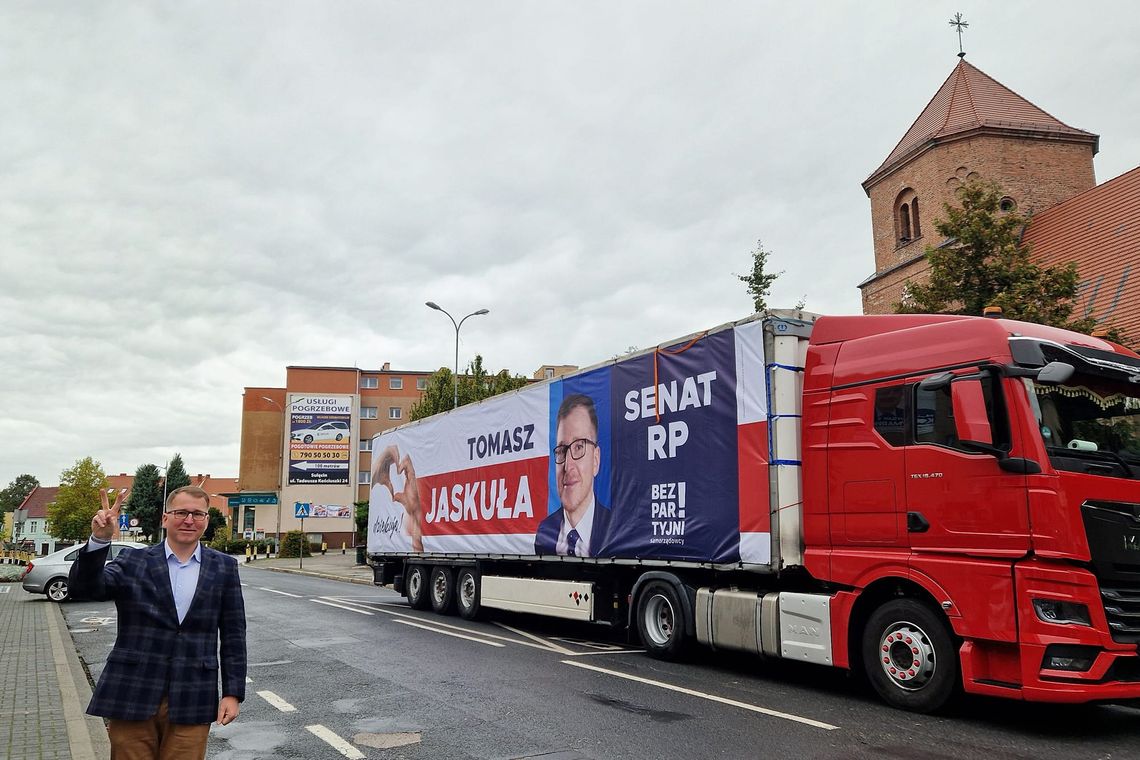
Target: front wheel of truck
<point>910,657</point>
<point>416,586</point>
<point>660,621</point>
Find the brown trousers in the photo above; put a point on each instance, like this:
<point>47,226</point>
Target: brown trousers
<point>157,739</point>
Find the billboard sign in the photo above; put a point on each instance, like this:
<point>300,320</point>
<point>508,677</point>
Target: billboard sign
<point>320,440</point>
<point>660,456</point>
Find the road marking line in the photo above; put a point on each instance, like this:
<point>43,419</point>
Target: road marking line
<point>544,647</point>
<point>703,695</point>
<point>342,607</point>
<point>607,651</point>
<point>275,591</point>
<point>248,679</point>
<point>537,643</point>
<point>337,743</point>
<point>533,637</point>
<point>276,701</point>
<point>4,589</point>
<point>274,662</point>
<point>451,633</point>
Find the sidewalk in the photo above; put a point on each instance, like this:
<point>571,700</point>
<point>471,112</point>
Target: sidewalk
<point>334,566</point>
<point>46,691</point>
<point>45,694</point>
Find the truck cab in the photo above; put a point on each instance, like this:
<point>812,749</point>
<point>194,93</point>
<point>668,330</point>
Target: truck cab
<point>979,480</point>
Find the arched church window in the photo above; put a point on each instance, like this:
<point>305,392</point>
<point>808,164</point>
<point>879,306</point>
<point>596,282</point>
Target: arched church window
<point>907,227</point>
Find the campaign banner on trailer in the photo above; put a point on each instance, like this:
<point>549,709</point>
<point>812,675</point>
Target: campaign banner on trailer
<point>473,480</point>
<point>660,456</point>
<point>675,451</point>
<point>320,440</point>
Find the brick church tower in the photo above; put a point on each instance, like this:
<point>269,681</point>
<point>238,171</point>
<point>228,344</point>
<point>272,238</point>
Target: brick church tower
<point>973,127</point>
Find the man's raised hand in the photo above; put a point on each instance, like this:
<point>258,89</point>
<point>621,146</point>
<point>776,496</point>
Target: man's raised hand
<point>104,522</point>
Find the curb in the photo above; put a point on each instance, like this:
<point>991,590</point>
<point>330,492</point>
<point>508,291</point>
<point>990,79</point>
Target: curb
<point>86,734</point>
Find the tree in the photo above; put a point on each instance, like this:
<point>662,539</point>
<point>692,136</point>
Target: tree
<point>215,522</point>
<point>759,281</point>
<point>361,518</point>
<point>69,517</point>
<point>145,500</point>
<point>13,496</point>
<point>984,263</point>
<point>176,476</point>
<point>476,385</point>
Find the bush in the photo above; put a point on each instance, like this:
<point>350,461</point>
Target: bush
<point>293,543</point>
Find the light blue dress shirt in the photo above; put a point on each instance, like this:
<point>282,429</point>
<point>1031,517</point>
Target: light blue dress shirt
<point>183,578</point>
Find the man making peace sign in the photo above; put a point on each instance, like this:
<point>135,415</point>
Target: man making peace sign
<point>175,601</point>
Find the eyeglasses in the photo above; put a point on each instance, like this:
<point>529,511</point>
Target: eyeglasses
<point>182,514</point>
<point>577,449</point>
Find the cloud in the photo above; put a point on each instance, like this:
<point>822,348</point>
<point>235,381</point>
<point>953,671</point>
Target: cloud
<point>198,195</point>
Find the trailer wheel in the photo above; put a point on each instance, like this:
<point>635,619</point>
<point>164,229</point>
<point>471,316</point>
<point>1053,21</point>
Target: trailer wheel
<point>909,656</point>
<point>416,586</point>
<point>660,621</point>
<point>442,590</point>
<point>467,594</point>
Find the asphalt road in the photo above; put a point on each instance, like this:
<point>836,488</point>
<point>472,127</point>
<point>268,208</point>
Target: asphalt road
<point>341,665</point>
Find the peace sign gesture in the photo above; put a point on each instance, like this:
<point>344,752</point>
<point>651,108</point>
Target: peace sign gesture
<point>104,522</point>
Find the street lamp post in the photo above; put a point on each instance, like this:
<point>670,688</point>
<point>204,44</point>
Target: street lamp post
<point>437,307</point>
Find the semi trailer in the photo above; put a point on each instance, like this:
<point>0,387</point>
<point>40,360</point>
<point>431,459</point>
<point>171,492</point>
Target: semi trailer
<point>945,503</point>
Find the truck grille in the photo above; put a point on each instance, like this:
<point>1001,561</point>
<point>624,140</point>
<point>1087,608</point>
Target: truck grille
<point>1122,608</point>
<point>1113,532</point>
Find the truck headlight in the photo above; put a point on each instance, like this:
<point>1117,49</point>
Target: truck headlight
<point>1062,613</point>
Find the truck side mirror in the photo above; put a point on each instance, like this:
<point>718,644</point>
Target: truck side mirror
<point>971,422</point>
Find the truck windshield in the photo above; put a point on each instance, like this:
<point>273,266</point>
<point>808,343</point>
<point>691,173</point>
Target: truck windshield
<point>1090,424</point>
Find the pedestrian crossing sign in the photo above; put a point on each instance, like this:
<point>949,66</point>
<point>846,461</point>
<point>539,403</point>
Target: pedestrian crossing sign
<point>302,508</point>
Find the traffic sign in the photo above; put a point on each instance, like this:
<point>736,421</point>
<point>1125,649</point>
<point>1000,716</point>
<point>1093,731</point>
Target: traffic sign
<point>124,521</point>
<point>302,508</point>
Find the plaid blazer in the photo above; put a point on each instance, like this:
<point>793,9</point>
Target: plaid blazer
<point>153,654</point>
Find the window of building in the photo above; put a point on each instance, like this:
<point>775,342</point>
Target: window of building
<point>368,412</point>
<point>364,478</point>
<point>395,413</point>
<point>248,515</point>
<point>548,373</point>
<point>32,528</point>
<point>1007,204</point>
<point>396,383</point>
<point>369,382</point>
<point>421,383</point>
<point>366,444</point>
<point>907,226</point>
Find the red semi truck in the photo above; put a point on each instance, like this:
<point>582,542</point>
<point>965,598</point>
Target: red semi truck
<point>946,503</point>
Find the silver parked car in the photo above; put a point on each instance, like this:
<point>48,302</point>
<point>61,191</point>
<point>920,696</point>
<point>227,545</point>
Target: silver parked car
<point>48,575</point>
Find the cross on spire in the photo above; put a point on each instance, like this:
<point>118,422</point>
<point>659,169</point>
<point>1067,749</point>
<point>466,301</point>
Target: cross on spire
<point>958,22</point>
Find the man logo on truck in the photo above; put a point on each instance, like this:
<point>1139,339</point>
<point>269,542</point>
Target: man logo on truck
<point>579,528</point>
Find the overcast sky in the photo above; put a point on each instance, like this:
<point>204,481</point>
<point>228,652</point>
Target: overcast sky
<point>195,195</point>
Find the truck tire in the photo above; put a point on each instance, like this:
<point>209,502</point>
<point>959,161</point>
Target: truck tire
<point>910,657</point>
<point>467,593</point>
<point>416,586</point>
<point>441,591</point>
<point>660,621</point>
<point>56,589</point>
